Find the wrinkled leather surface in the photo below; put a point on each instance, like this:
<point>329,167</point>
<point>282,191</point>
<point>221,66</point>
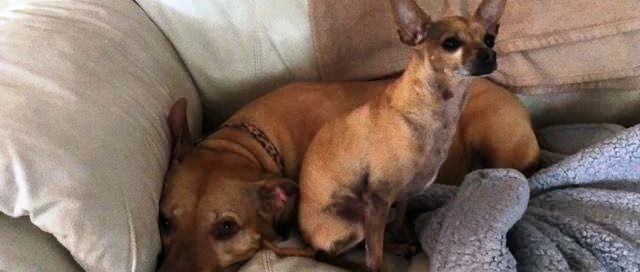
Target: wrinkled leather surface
<point>25,248</point>
<point>238,50</point>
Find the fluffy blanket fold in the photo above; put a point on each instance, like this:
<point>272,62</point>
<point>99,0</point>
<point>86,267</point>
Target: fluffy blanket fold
<point>579,214</point>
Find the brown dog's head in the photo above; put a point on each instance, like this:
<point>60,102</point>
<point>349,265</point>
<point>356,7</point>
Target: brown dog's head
<point>455,45</point>
<point>216,205</point>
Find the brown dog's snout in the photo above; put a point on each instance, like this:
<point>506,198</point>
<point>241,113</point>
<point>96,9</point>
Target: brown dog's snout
<point>485,62</point>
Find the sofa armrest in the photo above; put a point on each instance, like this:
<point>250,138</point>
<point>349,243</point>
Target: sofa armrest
<point>85,88</point>
<point>26,248</point>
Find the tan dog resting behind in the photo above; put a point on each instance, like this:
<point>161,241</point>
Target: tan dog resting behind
<point>391,148</point>
<point>226,195</point>
<point>494,131</point>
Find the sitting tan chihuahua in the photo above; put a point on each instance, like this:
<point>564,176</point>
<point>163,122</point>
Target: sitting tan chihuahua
<point>391,148</point>
<point>225,197</point>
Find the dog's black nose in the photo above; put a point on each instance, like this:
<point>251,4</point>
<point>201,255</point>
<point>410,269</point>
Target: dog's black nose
<point>486,55</point>
<point>485,62</point>
<point>322,256</point>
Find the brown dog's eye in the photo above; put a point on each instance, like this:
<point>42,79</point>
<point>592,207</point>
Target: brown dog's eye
<point>225,229</point>
<point>451,44</point>
<point>489,40</point>
<point>165,225</point>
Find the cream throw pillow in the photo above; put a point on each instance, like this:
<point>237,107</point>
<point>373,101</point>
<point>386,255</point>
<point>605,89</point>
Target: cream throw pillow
<point>85,87</point>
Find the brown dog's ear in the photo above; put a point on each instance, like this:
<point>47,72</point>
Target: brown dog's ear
<point>489,14</point>
<point>412,22</point>
<point>179,128</point>
<point>277,195</point>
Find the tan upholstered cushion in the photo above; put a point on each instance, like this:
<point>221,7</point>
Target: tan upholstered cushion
<point>582,51</point>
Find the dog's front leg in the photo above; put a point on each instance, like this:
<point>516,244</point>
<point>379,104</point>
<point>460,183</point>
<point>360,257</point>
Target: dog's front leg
<point>399,241</point>
<point>400,213</point>
<point>375,222</point>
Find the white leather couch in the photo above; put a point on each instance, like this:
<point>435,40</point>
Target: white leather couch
<point>85,86</point>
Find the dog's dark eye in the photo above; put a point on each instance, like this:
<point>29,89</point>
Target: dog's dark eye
<point>225,229</point>
<point>451,44</point>
<point>489,40</point>
<point>165,225</point>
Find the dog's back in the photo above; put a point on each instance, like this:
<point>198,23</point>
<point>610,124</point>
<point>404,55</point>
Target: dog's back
<point>293,114</point>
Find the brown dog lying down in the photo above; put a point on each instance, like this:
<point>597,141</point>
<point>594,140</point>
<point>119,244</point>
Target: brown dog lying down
<point>391,148</point>
<point>233,190</point>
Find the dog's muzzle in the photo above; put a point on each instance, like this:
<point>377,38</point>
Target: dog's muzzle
<point>485,62</point>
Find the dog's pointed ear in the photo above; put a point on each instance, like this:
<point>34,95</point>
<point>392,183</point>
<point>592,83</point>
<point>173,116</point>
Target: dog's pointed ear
<point>411,20</point>
<point>489,13</point>
<point>277,195</point>
<point>179,128</point>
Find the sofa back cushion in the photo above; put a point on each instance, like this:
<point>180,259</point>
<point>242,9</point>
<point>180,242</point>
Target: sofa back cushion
<point>238,50</point>
<point>570,61</point>
<point>580,51</point>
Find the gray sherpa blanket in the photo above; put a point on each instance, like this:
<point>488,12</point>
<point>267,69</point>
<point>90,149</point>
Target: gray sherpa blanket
<point>580,213</point>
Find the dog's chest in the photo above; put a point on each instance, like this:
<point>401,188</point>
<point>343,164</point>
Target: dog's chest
<point>434,141</point>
